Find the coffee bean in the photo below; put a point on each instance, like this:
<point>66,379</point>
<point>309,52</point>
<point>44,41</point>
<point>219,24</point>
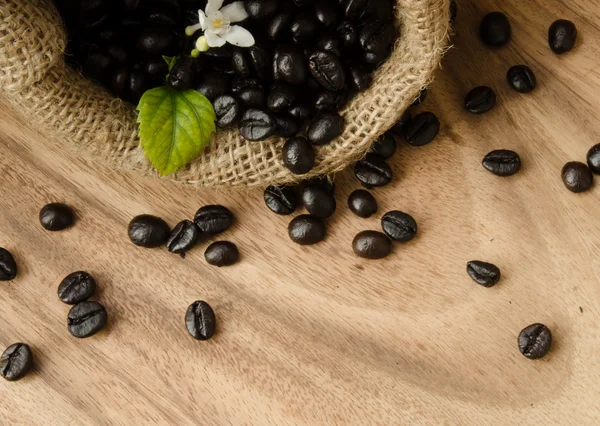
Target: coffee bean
<point>577,177</point>
<point>213,85</point>
<point>400,126</point>
<point>8,266</point>
<point>323,182</point>
<point>385,146</point>
<point>372,245</point>
<point>286,126</point>
<point>252,97</point>
<point>183,237</point>
<point>157,41</point>
<point>399,226</point>
<point>241,64</point>
<point>535,341</point>
<point>502,162</point>
<point>326,12</point>
<point>86,319</point>
<point>281,199</point>
<point>318,201</point>
<point>257,125</point>
<point>483,273</point>
<point>325,128</point>
<point>593,159</point>
<point>301,111</point>
<point>260,58</point>
<point>279,24</point>
<point>421,98</point>
<point>327,69</point>
<point>422,129</point>
<point>303,27</point>
<point>521,78</point>
<point>360,79</point>
<point>148,231</point>
<point>221,253</point>
<point>227,110</point>
<point>479,100</point>
<point>200,320</point>
<point>330,43</point>
<point>298,155</point>
<point>289,66</point>
<point>183,74</point>
<point>213,219</point>
<point>76,287</point>
<point>348,33</point>
<point>375,36</point>
<point>330,101</point>
<point>306,230</point>
<point>281,97</point>
<point>362,203</point>
<point>562,36</point>
<point>56,216</point>
<point>16,361</point>
<point>495,30</point>
<point>373,171</point>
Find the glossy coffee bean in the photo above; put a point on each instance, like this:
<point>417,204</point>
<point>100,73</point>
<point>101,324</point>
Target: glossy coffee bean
<point>156,70</point>
<point>76,287</point>
<point>200,320</point>
<point>260,58</point>
<point>373,171</point>
<point>562,36</point>
<point>157,41</point>
<point>348,33</point>
<point>221,253</point>
<point>324,182</point>
<point>483,273</point>
<point>16,361</point>
<point>375,36</point>
<point>261,9</point>
<point>281,97</point>
<point>399,226</point>
<point>241,63</point>
<point>281,199</point>
<point>86,319</point>
<point>330,101</point>
<point>213,219</point>
<point>120,83</point>
<point>359,79</point>
<point>306,230</point>
<point>327,69</point>
<point>422,129</point>
<point>318,201</point>
<point>213,85</point>
<point>301,111</point>
<point>56,216</point>
<point>372,245</point>
<point>329,43</point>
<point>183,237</point>
<point>227,110</point>
<point>148,231</point>
<point>298,155</point>
<point>495,29</point>
<point>384,146</point>
<point>257,125</point>
<point>326,12</point>
<point>400,126</point>
<point>8,266</point>
<point>239,84</point>
<point>535,341</point>
<point>577,176</point>
<point>286,126</point>
<point>521,78</point>
<point>279,24</point>
<point>354,9</point>
<point>502,162</point>
<point>362,203</point>
<point>593,159</point>
<point>303,27</point>
<point>479,100</point>
<point>289,66</point>
<point>137,85</point>
<point>325,128</point>
<point>183,75</point>
<point>252,97</point>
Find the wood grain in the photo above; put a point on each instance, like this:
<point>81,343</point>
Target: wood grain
<point>315,335</point>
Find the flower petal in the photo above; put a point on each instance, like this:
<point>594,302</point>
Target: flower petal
<point>214,40</point>
<point>202,19</point>
<point>235,12</point>
<point>213,6</point>
<point>239,36</point>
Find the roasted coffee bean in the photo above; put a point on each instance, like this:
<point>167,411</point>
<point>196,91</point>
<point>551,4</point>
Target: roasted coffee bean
<point>400,126</point>
<point>148,231</point>
<point>286,126</point>
<point>98,66</point>
<point>325,128</point>
<point>239,84</point>
<point>260,58</point>
<point>16,361</point>
<point>298,155</point>
<point>86,319</point>
<point>330,101</point>
<point>329,43</point>
<point>221,253</point>
<point>327,70</point>
<point>348,33</point>
<point>385,146</point>
<point>324,182</point>
<point>495,30</point>
<point>375,36</point>
<point>354,9</point>
<point>372,245</point>
<point>373,171</point>
<point>281,199</point>
<point>502,162</point>
<point>421,98</point>
<point>535,341</point>
<point>577,176</point>
<point>301,111</point>
<point>479,100</point>
<point>279,24</point>
<point>521,78</point>
<point>326,12</point>
<point>241,63</point>
<point>227,110</point>
<point>252,97</point>
<point>156,70</point>
<point>303,27</point>
<point>213,219</point>
<point>183,237</point>
<point>318,201</point>
<point>593,159</point>
<point>281,97</point>
<point>399,226</point>
<point>302,3</point>
<point>422,129</point>
<point>120,83</point>
<point>76,287</point>
<point>200,320</point>
<point>483,273</point>
<point>257,125</point>
<point>306,230</point>
<point>362,203</point>
<point>183,75</point>
<point>157,41</point>
<point>261,9</point>
<point>8,266</point>
<point>137,85</point>
<point>562,36</point>
<point>214,85</point>
<point>56,217</point>
<point>360,79</point>
<point>289,66</point>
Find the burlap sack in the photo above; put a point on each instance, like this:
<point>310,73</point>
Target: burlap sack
<point>84,117</point>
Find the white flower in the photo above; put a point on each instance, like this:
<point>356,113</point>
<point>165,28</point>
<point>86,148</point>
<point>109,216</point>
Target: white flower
<point>216,24</point>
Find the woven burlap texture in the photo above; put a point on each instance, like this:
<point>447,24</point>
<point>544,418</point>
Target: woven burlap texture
<point>84,117</point>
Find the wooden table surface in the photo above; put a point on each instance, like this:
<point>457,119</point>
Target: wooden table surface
<point>315,335</point>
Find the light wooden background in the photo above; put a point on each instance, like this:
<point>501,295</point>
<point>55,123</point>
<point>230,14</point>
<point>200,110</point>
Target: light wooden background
<point>315,335</point>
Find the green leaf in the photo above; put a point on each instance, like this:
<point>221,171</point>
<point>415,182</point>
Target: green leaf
<point>171,61</point>
<point>175,126</point>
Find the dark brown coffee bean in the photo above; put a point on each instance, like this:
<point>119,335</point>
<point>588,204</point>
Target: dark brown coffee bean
<point>562,36</point>
<point>279,24</point>
<point>8,266</point>
<point>385,146</point>
<point>348,33</point>
<point>306,230</point>
<point>286,126</point>
<point>298,155</point>
<point>200,320</point>
<point>422,129</point>
<point>400,126</point>
<point>362,203</point>
<point>495,29</point>
<point>521,78</point>
<point>213,219</point>
<point>257,125</point>
<point>327,69</point>
<point>227,110</point>
<point>281,199</point>
<point>326,12</point>
<point>325,128</point>
<point>577,176</point>
<point>281,97</point>
<point>593,159</point>
<point>535,341</point>
<point>303,27</point>
<point>318,201</point>
<point>16,361</point>
<point>148,231</point>
<point>76,287</point>
<point>483,273</point>
<point>86,319</point>
<point>360,79</point>
<point>502,162</point>
<point>289,66</point>
<point>56,217</point>
<point>183,237</point>
<point>372,245</point>
<point>222,253</point>
<point>479,100</point>
<point>399,226</point>
<point>373,171</point>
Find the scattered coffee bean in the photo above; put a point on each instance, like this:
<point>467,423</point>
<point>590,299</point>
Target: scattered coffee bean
<point>298,155</point>
<point>200,320</point>
<point>8,266</point>
<point>521,78</point>
<point>400,126</point>
<point>16,361</point>
<point>76,287</point>
<point>483,273</point>
<point>213,219</point>
<point>148,231</point>
<point>593,159</point>
<point>535,341</point>
<point>502,162</point>
<point>318,201</point>
<point>324,182</point>
<point>495,30</point>
<point>257,125</point>
<point>222,253</point>
<point>56,217</point>
<point>385,146</point>
<point>286,126</point>
<point>479,100</point>
<point>306,230</point>
<point>399,226</point>
<point>373,171</point>
<point>86,319</point>
<point>577,176</point>
<point>281,199</point>
<point>422,129</point>
<point>183,237</point>
<point>372,245</point>
<point>325,128</point>
<point>562,36</point>
<point>362,203</point>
